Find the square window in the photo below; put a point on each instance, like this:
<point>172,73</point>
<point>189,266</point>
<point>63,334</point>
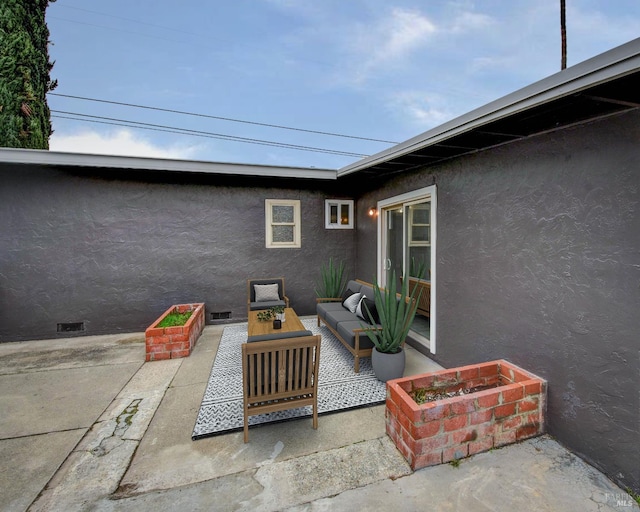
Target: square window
<point>282,219</point>
<point>338,214</point>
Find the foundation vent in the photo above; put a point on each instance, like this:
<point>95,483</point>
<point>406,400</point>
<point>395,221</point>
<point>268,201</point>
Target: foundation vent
<point>220,315</point>
<point>71,327</point>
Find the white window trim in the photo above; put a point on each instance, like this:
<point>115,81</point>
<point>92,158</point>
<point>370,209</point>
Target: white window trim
<point>339,203</point>
<point>297,239</point>
<point>412,223</point>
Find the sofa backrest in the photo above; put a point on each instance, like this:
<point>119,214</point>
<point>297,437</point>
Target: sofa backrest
<point>354,286</point>
<point>367,290</point>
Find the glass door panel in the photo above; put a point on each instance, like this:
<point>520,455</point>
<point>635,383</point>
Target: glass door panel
<point>407,252</point>
<point>393,254</point>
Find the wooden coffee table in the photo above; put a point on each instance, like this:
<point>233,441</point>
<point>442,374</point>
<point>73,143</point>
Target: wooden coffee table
<point>291,323</point>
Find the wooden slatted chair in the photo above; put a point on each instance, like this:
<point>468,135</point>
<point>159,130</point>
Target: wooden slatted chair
<point>278,375</point>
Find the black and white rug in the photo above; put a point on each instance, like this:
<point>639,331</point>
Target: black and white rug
<point>339,387</point>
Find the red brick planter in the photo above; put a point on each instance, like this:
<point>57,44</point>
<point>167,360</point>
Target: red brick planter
<point>454,428</point>
<point>174,342</point>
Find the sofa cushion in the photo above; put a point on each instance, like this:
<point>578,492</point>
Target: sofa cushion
<point>323,307</point>
<point>333,318</point>
<point>278,336</point>
<point>345,330</point>
<point>368,291</point>
<point>266,304</point>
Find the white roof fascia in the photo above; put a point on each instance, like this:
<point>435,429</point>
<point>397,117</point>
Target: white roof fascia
<point>614,63</point>
<point>44,157</point>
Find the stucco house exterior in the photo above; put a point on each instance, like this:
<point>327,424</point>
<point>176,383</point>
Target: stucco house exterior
<point>526,213</point>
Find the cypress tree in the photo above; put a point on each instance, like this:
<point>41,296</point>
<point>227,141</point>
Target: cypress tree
<point>25,120</point>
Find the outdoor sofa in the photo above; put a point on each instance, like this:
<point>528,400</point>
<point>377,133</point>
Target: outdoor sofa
<point>347,322</point>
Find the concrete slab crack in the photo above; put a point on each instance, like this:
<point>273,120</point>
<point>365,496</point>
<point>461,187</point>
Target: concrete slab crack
<point>94,470</point>
<point>124,420</point>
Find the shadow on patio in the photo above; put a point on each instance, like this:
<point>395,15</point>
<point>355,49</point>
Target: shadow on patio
<point>91,426</point>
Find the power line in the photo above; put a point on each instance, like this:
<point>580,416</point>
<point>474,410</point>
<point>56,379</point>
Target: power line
<point>126,19</point>
<point>195,133</point>
<point>219,118</point>
<point>115,28</point>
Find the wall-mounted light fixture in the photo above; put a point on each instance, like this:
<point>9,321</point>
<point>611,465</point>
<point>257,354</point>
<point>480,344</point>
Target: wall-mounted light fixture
<point>373,211</point>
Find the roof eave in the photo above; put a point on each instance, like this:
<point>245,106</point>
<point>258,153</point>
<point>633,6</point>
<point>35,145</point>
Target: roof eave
<point>57,158</point>
<point>615,63</point>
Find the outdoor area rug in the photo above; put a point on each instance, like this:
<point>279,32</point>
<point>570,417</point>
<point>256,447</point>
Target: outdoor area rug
<point>339,387</point>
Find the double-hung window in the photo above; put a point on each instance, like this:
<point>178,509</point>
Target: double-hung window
<point>338,214</point>
<point>282,217</point>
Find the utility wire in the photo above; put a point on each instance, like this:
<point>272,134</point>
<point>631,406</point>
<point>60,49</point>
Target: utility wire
<point>195,133</point>
<point>218,117</point>
<point>118,29</point>
<point>126,19</point>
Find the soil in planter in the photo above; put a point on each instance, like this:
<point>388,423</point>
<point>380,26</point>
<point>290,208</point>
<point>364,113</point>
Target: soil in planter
<point>175,319</point>
<point>424,395</point>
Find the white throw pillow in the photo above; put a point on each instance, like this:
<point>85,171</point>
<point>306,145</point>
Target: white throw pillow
<point>360,311</point>
<point>266,292</point>
<point>351,303</point>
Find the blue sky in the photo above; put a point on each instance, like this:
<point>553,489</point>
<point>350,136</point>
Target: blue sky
<point>381,69</point>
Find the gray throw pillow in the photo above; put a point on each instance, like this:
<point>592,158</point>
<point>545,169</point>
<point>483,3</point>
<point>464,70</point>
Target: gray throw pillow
<point>266,292</point>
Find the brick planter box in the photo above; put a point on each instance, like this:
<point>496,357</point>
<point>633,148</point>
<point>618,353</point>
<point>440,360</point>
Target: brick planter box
<point>454,428</point>
<point>174,342</point>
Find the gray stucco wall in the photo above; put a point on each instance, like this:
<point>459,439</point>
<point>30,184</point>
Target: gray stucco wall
<point>538,262</point>
<point>114,249</point>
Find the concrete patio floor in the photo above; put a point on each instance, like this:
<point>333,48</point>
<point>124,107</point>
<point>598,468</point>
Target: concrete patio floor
<point>87,425</point>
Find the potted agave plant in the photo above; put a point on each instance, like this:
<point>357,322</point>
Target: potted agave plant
<point>332,280</point>
<point>396,312</point>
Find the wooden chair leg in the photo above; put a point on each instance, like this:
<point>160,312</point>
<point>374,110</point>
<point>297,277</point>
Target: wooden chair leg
<point>356,366</point>
<point>246,429</point>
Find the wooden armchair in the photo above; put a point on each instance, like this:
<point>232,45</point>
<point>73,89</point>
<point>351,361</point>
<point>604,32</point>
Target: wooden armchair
<point>278,375</point>
<point>257,302</point>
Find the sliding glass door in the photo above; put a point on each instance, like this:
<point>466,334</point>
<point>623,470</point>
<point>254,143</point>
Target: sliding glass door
<point>406,245</point>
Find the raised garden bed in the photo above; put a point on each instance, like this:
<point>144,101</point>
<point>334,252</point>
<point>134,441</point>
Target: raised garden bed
<point>509,406</point>
<point>178,340</point>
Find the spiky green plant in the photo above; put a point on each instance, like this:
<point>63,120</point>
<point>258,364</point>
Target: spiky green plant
<point>395,313</point>
<point>332,280</point>
<point>417,269</point>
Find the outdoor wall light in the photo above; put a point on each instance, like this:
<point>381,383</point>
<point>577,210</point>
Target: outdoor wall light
<point>373,211</point>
